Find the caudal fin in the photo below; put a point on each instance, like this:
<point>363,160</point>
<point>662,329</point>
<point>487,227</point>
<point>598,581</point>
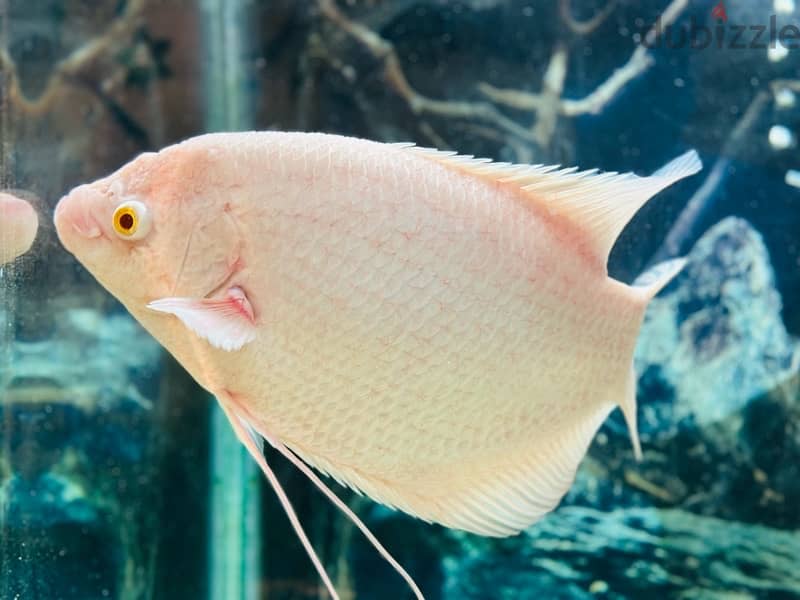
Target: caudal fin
<point>628,407</point>
<point>656,278</point>
<point>646,285</point>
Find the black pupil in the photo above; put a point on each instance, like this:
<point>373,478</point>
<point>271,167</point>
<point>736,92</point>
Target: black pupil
<point>126,221</point>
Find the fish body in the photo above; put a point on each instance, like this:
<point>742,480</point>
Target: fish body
<point>18,227</point>
<point>435,331</point>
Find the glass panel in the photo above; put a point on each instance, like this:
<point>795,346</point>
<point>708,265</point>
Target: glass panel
<point>103,445</point>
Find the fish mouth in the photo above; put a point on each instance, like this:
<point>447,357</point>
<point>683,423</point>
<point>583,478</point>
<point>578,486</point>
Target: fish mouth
<point>87,228</point>
<point>72,214</point>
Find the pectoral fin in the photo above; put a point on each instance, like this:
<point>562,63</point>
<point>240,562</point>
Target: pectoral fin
<point>227,323</point>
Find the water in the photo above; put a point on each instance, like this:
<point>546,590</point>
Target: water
<point>118,478</point>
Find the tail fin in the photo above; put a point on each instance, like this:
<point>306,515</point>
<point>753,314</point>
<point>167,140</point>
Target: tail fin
<point>646,285</point>
<point>652,281</point>
<point>628,407</point>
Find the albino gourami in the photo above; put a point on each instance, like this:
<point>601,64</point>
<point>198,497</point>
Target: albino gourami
<point>18,227</point>
<point>436,331</point>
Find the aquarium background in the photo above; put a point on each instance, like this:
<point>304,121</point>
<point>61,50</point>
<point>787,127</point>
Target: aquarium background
<point>119,479</point>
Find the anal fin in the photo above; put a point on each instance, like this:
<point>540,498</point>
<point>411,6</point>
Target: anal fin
<point>525,489</point>
<point>502,497</point>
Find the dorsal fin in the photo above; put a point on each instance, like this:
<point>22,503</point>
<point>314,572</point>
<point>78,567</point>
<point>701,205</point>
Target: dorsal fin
<point>600,204</point>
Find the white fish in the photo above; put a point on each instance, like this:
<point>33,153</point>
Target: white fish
<point>435,331</point>
<point>18,227</point>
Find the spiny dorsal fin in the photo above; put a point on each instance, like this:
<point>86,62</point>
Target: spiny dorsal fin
<point>601,204</point>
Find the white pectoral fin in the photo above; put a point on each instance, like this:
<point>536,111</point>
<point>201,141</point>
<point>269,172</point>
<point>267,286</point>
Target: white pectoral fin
<point>226,323</point>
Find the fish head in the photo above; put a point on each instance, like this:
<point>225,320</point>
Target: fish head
<point>161,226</point>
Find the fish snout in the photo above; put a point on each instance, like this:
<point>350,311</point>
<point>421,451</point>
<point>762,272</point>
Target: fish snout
<point>73,213</point>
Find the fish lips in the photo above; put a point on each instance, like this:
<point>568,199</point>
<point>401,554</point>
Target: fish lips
<point>73,217</point>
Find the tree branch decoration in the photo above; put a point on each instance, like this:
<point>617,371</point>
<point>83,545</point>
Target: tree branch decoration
<point>544,107</point>
<point>73,69</point>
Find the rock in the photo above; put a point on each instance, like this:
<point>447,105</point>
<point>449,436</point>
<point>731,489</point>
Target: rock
<point>628,553</point>
<point>47,501</point>
<point>715,339</point>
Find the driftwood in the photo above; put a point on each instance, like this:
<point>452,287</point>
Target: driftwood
<point>545,107</point>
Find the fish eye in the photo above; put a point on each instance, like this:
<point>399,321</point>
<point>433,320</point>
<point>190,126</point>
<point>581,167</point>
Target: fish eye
<point>132,220</point>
